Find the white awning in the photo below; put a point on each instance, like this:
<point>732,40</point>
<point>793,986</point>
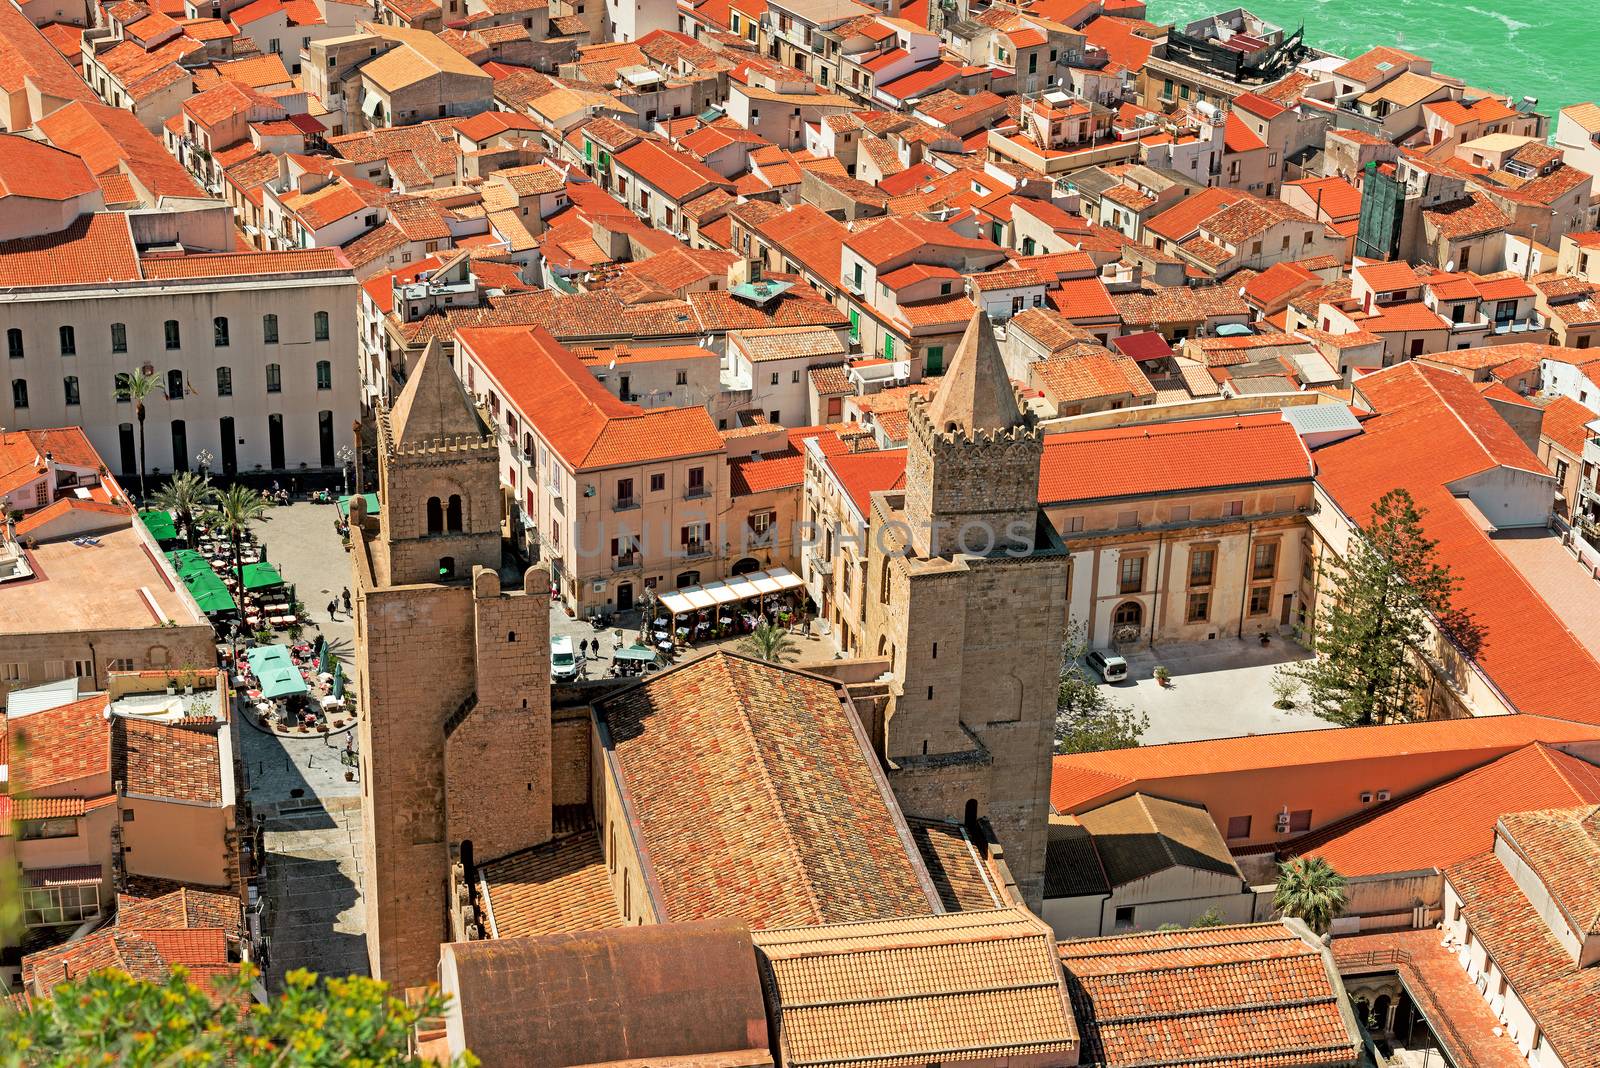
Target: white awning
<point>727,591</point>
<point>676,604</point>
<point>370,104</point>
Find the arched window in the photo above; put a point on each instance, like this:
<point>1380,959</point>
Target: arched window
<point>174,334</point>
<point>69,386</point>
<point>224,381</point>
<point>219,331</point>
<point>119,337</point>
<point>14,343</point>
<point>319,323</point>
<point>1128,614</point>
<point>883,585</point>
<point>453,513</point>
<point>174,385</point>
<point>69,341</point>
<point>274,378</point>
<point>269,329</point>
<point>447,567</point>
<point>527,446</point>
<point>324,374</point>
<point>435,516</point>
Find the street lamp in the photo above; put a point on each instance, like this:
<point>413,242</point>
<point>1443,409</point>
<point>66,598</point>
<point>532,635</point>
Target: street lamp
<point>346,456</point>
<point>203,460</point>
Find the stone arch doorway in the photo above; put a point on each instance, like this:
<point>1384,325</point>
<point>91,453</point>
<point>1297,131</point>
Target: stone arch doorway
<point>746,566</point>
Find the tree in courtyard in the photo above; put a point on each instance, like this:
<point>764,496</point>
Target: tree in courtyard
<point>136,387</point>
<point>109,1017</point>
<point>1087,719</point>
<point>186,496</point>
<point>770,643</point>
<point>236,507</point>
<point>1372,633</point>
<point>1311,891</point>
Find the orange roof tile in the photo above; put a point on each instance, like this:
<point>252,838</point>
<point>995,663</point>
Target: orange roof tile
<point>1564,424</point>
<point>37,171</point>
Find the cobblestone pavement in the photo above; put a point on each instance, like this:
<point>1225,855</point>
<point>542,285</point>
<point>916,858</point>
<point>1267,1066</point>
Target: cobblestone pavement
<point>313,831</point>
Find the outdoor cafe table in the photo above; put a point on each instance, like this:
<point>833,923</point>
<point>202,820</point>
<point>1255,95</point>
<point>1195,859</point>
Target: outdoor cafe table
<point>261,576</point>
<point>277,673</point>
<point>635,652</point>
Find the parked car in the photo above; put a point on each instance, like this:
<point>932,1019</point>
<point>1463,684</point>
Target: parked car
<point>1109,666</point>
<point>563,665</point>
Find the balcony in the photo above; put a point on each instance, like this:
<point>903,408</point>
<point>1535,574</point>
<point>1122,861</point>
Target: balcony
<point>628,561</point>
<point>1534,321</point>
<point>696,549</point>
<point>623,504</point>
<point>696,493</point>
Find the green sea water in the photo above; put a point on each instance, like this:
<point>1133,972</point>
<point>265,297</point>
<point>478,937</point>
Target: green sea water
<point>1548,49</point>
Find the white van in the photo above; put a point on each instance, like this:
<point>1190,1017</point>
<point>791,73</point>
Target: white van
<point>562,663</point>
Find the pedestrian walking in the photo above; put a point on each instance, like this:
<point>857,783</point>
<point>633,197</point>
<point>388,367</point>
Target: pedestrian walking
<point>333,609</point>
<point>347,600</point>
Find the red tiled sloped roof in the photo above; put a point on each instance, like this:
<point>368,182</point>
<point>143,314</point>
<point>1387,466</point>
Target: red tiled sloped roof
<point>1083,299</point>
<point>1450,822</point>
<point>1181,220</point>
<point>1564,422</point>
<point>106,137</point>
<point>1431,429</point>
<point>572,410</point>
<point>676,174</point>
<point>37,171</point>
<point>1259,105</point>
<point>864,473</point>
<point>1237,137</point>
<point>773,471</point>
<point>712,757</point>
<point>1084,777</point>
<point>226,264</point>
<point>1333,197</point>
<point>60,745</point>
<point>1116,36</point>
<point>1388,276</point>
<point>1277,283</point>
<point>1198,454</point>
<point>1232,997</point>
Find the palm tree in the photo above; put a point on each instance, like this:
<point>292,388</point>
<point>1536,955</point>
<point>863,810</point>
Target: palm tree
<point>770,643</point>
<point>1310,890</point>
<point>136,387</point>
<point>185,496</point>
<point>236,507</point>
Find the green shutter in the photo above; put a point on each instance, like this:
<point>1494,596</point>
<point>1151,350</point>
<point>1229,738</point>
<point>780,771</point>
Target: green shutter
<point>888,346</point>
<point>933,360</point>
<point>855,325</point>
<point>588,150</point>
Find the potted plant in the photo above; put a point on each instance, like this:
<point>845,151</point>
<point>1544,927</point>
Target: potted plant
<point>264,636</point>
<point>1285,687</point>
<point>295,631</point>
<point>188,678</point>
<point>1163,676</point>
<point>172,683</point>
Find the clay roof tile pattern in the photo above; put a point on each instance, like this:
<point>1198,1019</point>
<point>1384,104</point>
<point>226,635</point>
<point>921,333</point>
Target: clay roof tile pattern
<point>754,795</point>
<point>562,885</point>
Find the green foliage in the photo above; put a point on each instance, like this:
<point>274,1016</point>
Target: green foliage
<point>110,1018</point>
<point>1209,918</point>
<point>1310,890</point>
<point>770,643</point>
<point>136,387</point>
<point>236,508</point>
<point>1285,686</point>
<point>1372,633</point>
<point>1087,719</point>
<point>185,496</point>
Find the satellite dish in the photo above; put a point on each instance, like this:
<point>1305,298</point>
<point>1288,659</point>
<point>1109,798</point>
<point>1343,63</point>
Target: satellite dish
<point>1451,266</point>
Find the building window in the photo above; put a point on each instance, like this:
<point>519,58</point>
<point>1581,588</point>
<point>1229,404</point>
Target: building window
<point>1199,609</point>
<point>14,343</point>
<point>452,514</point>
<point>1130,574</point>
<point>274,378</point>
<point>1264,560</point>
<point>1300,822</point>
<point>19,393</point>
<point>1238,826</point>
<point>1233,508</point>
<point>697,481</point>
<point>174,334</point>
<point>174,385</point>
<point>658,483</point>
<point>1124,918</point>
<point>1202,566</point>
<point>435,516</point>
<point>1128,614</point>
<point>57,906</point>
<point>119,337</point>
<point>219,331</point>
<point>269,329</point>
<point>325,375</point>
<point>319,324</point>
<point>35,830</point>
<point>69,386</point>
<point>1260,600</point>
<point>224,381</point>
<point>933,359</point>
<point>683,378</point>
<point>123,387</point>
<point>69,341</point>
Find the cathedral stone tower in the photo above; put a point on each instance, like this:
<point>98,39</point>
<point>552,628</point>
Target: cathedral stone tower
<point>452,672</point>
<point>966,594</point>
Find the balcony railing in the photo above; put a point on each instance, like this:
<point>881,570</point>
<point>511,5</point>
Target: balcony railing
<point>625,561</point>
<point>624,503</point>
<point>695,549</point>
<point>1519,326</point>
<point>695,493</point>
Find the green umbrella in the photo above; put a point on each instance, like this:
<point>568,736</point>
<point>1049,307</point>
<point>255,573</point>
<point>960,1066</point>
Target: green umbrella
<point>275,671</point>
<point>261,576</point>
<point>187,562</point>
<point>209,593</point>
<point>160,525</point>
<point>372,504</point>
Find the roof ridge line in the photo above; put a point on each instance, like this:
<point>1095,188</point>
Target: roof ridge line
<point>878,999</point>
<point>1200,965</point>
<point>1248,1006</point>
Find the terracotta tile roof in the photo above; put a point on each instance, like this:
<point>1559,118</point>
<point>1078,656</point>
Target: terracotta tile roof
<point>562,885</point>
<point>1119,39</point>
<point>862,474</point>
<point>1190,455</point>
<point>185,907</point>
<point>60,745</point>
<point>1047,327</point>
<point>885,239</point>
<point>1562,998</point>
<point>1453,821</point>
<point>162,761</point>
<point>676,174</point>
<point>572,410</point>
<point>755,796</point>
<point>1083,300</point>
<point>1372,63</point>
<point>1092,375</point>
<point>831,380</point>
<point>230,264</point>
<point>1432,428</point>
<point>958,871</point>
<point>786,343</point>
<point>1564,422</point>
<point>1082,778</point>
<point>928,989</point>
<point>1406,317</point>
<point>773,471</point>
<point>1562,846</point>
<point>1467,217</point>
<point>1139,836</point>
<point>1180,221</point>
<point>1235,997</point>
<point>809,236</point>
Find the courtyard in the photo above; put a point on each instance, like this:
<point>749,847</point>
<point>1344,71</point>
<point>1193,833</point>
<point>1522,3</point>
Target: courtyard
<point>1217,690</point>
